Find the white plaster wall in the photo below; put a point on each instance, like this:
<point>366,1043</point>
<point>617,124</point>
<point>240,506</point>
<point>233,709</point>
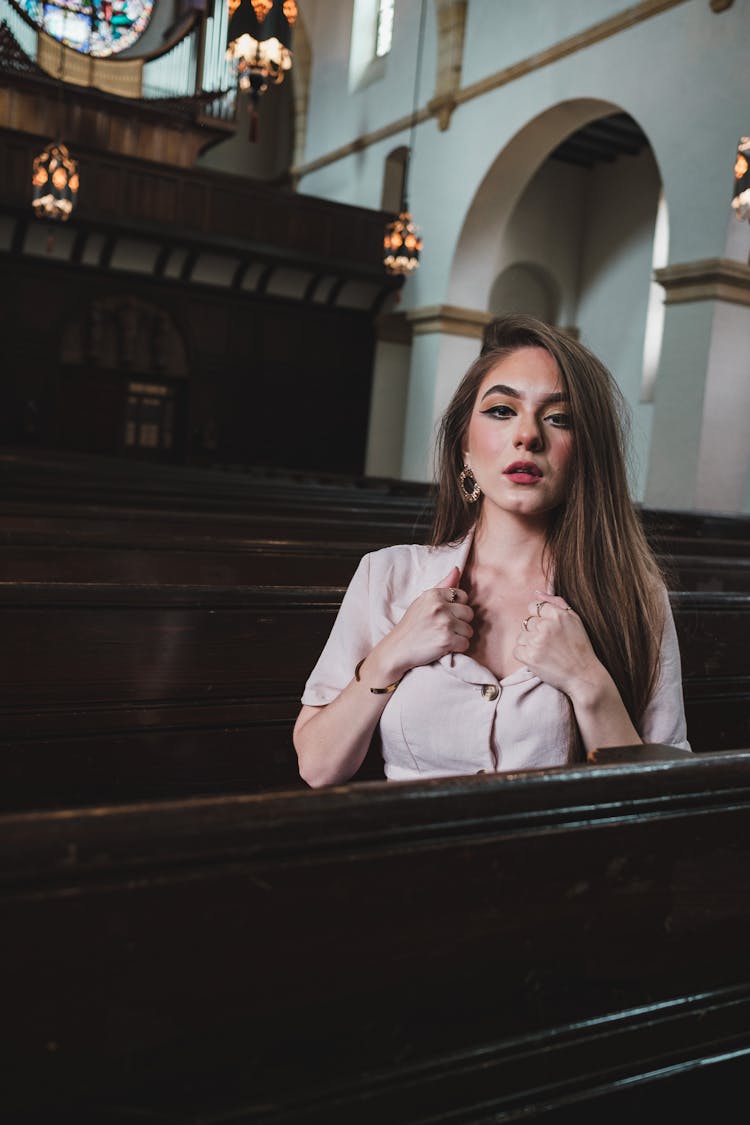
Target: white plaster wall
<point>546,230</point>
<point>438,364</point>
<point>725,435</point>
<point>500,34</point>
<point>615,278</point>
<point>678,405</point>
<point>339,114</point>
<point>592,230</point>
<point>390,386</point>
<point>681,74</point>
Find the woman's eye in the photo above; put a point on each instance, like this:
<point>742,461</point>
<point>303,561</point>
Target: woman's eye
<point>561,421</point>
<point>499,410</point>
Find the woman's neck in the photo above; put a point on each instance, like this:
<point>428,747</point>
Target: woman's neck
<point>509,546</point>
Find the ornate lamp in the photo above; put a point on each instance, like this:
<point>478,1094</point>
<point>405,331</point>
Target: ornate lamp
<point>259,42</point>
<point>54,183</point>
<point>402,243</point>
<point>54,173</point>
<point>741,194</point>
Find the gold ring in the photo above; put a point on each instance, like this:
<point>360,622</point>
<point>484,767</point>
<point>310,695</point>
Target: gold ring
<point>525,622</point>
<point>452,593</point>
<point>539,608</point>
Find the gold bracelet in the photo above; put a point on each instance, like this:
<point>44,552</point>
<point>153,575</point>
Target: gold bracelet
<point>376,690</point>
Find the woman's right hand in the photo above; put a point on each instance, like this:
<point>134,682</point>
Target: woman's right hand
<point>434,624</point>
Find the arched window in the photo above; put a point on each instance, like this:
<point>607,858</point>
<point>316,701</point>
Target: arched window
<point>372,37</point>
<point>384,27</point>
<point>94,27</point>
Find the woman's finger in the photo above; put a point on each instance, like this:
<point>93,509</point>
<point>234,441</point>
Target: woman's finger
<point>454,595</point>
<point>452,579</point>
<point>546,609</point>
<point>541,600</point>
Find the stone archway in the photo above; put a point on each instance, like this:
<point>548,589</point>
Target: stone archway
<point>589,231</point>
<point>473,266</point>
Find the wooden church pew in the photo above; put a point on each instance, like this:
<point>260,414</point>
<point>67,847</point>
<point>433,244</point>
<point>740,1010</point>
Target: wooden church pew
<point>200,548</point>
<point>379,512</point>
<point>133,554</point>
<point>554,945</point>
<point>66,522</point>
<point>114,692</point>
<point>55,478</point>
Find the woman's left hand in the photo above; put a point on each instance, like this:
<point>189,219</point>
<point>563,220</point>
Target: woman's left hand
<point>554,645</point>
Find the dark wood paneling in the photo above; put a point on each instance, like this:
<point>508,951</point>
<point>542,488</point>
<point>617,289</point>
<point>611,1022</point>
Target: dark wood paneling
<point>210,205</point>
<point>308,411</point>
<point>457,951</point>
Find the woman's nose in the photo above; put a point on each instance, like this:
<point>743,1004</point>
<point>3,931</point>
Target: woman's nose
<point>528,435</point>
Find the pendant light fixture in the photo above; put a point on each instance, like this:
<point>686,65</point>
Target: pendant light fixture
<point>402,243</point>
<point>259,43</point>
<point>54,173</point>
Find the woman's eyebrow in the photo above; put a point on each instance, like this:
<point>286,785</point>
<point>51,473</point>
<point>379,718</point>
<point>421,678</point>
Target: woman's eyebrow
<point>511,392</point>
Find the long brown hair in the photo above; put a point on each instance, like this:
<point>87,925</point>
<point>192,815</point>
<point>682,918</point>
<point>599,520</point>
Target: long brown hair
<point>596,547</point>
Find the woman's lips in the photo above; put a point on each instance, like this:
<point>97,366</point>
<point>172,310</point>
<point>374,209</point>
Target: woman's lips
<point>523,472</point>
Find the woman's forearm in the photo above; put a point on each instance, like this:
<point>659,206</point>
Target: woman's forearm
<point>332,741</point>
<point>601,714</point>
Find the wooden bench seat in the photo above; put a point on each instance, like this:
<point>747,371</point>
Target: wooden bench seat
<point>555,945</point>
<point>81,544</point>
<point>78,486</point>
<point>116,692</point>
<point>137,553</point>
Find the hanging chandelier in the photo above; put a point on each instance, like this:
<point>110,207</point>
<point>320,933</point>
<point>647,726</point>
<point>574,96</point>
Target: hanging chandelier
<point>54,173</point>
<point>402,244</point>
<point>741,194</point>
<point>259,43</point>
<point>54,183</point>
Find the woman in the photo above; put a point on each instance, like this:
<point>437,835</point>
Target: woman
<point>537,626</point>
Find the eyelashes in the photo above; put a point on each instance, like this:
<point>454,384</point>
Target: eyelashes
<point>558,419</point>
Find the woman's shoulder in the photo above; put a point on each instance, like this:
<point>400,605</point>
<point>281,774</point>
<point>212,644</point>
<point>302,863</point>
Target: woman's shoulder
<point>415,560</point>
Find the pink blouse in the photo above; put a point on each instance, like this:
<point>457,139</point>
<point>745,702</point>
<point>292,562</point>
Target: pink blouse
<point>447,717</point>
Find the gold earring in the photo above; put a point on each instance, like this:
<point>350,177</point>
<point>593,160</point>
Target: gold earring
<point>471,493</point>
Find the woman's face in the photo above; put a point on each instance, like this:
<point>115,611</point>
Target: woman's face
<point>519,439</point>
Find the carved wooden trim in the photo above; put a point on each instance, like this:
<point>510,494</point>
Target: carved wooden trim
<point>712,279</point>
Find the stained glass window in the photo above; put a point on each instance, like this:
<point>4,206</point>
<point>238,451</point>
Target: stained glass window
<point>95,27</point>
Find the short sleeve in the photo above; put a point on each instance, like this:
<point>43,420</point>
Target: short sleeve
<point>349,642</point>
<point>664,718</point>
